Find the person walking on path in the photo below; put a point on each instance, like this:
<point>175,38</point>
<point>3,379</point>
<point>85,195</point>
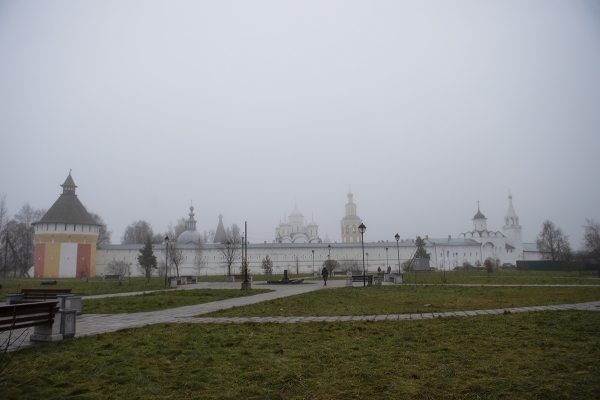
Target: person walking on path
<point>325,274</point>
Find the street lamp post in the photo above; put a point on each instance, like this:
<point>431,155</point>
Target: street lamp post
<point>167,240</point>
<point>362,228</point>
<point>329,248</point>
<point>313,254</point>
<point>387,260</point>
<point>397,237</point>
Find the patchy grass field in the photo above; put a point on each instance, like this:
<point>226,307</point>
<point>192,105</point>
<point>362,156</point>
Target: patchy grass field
<point>255,277</point>
<point>545,355</point>
<point>503,277</point>
<point>92,287</point>
<point>162,300</point>
<point>397,299</point>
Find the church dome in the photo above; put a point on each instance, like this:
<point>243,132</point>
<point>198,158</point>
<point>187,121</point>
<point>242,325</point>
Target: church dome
<point>479,215</point>
<point>189,237</point>
<point>296,213</point>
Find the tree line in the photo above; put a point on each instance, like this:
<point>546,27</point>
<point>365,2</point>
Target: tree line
<point>553,243</point>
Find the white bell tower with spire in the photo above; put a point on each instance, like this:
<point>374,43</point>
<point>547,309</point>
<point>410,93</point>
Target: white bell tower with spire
<point>512,230</point>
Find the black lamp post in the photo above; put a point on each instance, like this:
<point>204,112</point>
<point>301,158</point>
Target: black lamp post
<point>329,248</point>
<point>167,240</point>
<point>313,253</point>
<point>387,259</point>
<point>362,228</point>
<point>397,237</point>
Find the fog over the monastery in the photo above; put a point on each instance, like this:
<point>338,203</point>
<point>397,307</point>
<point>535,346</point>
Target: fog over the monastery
<point>250,107</point>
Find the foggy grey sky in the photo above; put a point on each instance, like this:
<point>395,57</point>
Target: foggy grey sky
<point>246,107</point>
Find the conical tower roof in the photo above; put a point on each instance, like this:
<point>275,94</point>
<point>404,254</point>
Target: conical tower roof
<point>220,234</point>
<point>68,209</point>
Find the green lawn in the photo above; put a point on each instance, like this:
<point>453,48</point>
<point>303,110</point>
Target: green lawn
<point>397,299</point>
<point>162,300</point>
<point>543,355</point>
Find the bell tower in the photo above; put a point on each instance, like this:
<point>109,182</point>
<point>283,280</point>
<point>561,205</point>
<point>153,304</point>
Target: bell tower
<point>512,230</point>
<point>350,222</point>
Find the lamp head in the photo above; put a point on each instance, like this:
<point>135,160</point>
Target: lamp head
<point>167,240</point>
<point>397,237</point>
<point>362,228</point>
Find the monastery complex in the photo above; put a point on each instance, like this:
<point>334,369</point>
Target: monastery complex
<point>66,238</point>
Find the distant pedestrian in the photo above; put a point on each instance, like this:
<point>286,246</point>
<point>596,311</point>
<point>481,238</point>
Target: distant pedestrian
<point>325,274</point>
<point>389,269</point>
<point>378,269</point>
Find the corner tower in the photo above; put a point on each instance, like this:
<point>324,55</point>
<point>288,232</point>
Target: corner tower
<point>65,238</point>
<point>350,222</point>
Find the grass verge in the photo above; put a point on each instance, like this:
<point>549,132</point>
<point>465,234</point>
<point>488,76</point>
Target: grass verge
<point>393,299</point>
<point>162,300</point>
<point>547,355</point>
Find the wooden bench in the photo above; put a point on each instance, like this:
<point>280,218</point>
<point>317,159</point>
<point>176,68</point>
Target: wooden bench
<point>190,278</point>
<point>42,294</point>
<point>359,278</point>
<point>27,315</point>
<point>241,277</point>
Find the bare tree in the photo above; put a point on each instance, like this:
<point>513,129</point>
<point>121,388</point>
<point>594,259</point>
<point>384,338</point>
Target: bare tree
<point>352,266</point>
<point>199,260</point>
<point>3,236</point>
<point>209,236</point>
<point>331,265</point>
<point>553,243</point>
<point>232,249</point>
<point>118,267</point>
<point>175,257</point>
<point>297,264</point>
<point>3,213</point>
<point>407,265</point>
<point>104,234</point>
<point>467,266</point>
<point>591,240</point>
<point>174,231</point>
<point>137,232</point>
<point>19,237</point>
<point>490,266</point>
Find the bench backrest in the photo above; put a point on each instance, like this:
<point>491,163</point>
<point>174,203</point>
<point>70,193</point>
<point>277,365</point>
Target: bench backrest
<point>26,315</point>
<point>43,294</point>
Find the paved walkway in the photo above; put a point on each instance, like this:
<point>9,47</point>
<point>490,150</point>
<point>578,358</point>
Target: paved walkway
<point>90,324</point>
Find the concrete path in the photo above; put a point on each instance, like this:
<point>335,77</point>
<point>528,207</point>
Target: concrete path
<point>90,324</point>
